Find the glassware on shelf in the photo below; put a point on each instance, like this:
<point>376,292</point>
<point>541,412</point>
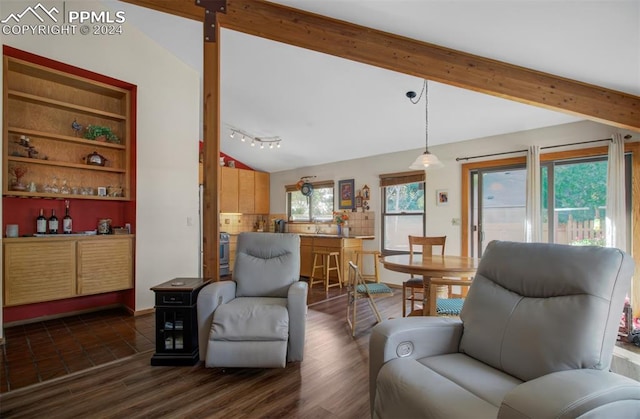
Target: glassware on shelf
<point>54,185</point>
<point>65,190</point>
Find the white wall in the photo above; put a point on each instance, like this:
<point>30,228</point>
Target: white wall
<point>167,141</point>
<point>439,218</point>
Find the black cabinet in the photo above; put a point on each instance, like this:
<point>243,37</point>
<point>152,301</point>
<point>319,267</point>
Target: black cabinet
<point>177,322</point>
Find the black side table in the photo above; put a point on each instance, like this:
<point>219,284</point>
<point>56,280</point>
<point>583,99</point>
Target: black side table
<point>177,322</point>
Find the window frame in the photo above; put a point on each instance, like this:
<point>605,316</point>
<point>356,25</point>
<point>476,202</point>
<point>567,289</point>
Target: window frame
<point>289,189</point>
<point>395,179</point>
<point>584,153</point>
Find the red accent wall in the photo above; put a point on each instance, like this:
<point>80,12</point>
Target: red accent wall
<point>85,213</point>
<point>239,164</point>
<point>227,157</point>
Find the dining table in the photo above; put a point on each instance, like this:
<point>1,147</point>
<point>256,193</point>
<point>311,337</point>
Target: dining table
<point>432,267</point>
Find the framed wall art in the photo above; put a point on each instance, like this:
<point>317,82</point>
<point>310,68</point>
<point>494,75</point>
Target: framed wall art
<point>442,197</point>
<point>346,199</point>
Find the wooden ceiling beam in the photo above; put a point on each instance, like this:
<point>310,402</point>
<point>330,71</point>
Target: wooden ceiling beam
<point>417,58</point>
<point>183,8</point>
<point>433,62</point>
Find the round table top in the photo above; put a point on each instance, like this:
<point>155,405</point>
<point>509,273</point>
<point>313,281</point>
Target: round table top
<point>435,265</point>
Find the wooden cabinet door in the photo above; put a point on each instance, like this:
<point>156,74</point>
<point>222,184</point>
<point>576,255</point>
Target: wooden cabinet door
<point>229,189</point>
<point>37,272</point>
<point>306,259</point>
<point>105,265</point>
<point>262,192</point>
<point>246,191</point>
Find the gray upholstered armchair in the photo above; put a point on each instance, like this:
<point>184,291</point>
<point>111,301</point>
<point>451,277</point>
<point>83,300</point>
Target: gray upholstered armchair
<point>259,318</point>
<point>535,339</point>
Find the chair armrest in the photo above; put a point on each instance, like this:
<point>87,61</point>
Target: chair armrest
<point>297,306</point>
<point>209,298</point>
<point>426,336</point>
<point>573,393</point>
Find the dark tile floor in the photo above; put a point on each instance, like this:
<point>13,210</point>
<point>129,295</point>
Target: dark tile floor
<point>48,349</point>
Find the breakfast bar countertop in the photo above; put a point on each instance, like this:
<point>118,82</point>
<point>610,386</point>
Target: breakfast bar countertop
<point>335,236</point>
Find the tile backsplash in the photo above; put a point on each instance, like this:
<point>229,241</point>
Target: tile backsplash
<point>360,224</point>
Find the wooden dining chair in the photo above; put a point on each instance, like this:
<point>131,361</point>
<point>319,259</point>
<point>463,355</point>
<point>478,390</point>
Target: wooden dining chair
<point>357,289</point>
<point>445,305</point>
<point>415,285</point>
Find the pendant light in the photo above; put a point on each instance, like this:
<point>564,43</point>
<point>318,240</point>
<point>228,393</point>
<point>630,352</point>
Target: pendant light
<point>426,160</point>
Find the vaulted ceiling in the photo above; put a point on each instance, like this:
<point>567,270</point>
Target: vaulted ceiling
<point>327,108</point>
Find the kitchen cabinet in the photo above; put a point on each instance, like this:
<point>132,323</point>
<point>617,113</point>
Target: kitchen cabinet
<point>306,258</point>
<point>244,191</point>
<point>47,113</point>
<point>262,193</point>
<point>229,189</point>
<point>40,269</point>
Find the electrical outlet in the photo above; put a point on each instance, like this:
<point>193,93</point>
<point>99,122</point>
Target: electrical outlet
<point>227,221</point>
<point>455,221</point>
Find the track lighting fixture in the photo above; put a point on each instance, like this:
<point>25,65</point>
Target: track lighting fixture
<point>271,141</point>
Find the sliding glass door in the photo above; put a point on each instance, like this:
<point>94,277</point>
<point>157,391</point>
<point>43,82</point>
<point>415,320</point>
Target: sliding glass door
<point>574,199</point>
<point>499,206</point>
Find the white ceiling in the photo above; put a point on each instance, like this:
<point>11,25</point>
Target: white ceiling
<point>327,109</point>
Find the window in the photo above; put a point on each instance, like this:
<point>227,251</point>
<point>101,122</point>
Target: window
<point>316,207</point>
<point>573,200</point>
<point>402,210</point>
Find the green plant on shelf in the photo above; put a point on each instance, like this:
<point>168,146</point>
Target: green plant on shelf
<point>100,133</point>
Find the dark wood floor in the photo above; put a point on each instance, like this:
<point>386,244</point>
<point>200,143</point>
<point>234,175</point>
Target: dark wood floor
<point>44,350</point>
<point>331,382</point>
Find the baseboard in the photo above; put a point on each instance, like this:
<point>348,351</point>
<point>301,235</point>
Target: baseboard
<point>144,312</point>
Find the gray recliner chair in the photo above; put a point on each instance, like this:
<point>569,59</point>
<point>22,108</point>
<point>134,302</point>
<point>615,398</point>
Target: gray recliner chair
<point>534,340</point>
<point>258,320</point>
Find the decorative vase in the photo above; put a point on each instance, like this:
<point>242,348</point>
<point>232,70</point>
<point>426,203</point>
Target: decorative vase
<point>340,230</point>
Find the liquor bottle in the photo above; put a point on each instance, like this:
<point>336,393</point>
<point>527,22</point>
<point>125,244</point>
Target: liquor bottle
<point>41,223</point>
<point>67,222</point>
<point>53,223</point>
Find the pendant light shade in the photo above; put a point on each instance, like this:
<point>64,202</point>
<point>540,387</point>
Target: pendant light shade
<point>426,160</point>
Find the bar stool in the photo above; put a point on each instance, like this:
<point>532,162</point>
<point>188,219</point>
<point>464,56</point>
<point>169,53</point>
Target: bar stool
<point>325,267</point>
<point>359,256</point>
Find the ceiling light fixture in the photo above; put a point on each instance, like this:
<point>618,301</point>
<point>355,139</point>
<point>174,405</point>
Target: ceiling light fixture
<point>425,160</point>
<point>271,141</point>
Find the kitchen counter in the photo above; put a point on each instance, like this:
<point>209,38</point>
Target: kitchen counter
<point>335,236</point>
<point>331,236</point>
